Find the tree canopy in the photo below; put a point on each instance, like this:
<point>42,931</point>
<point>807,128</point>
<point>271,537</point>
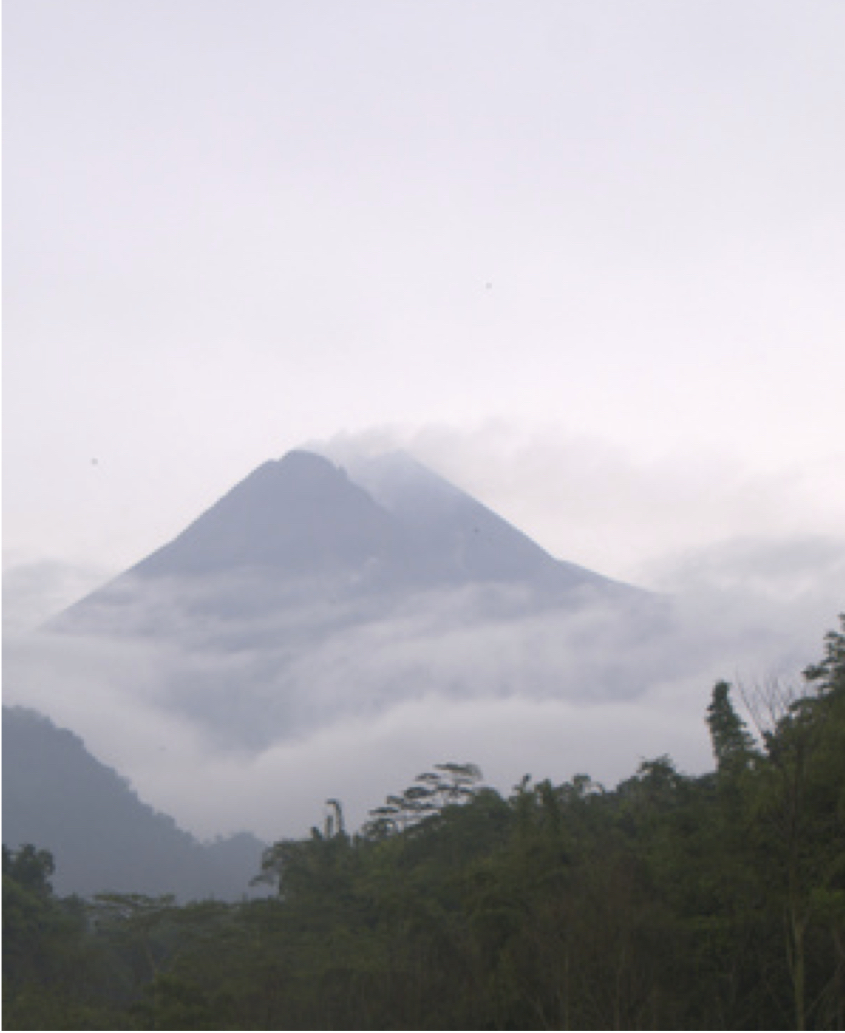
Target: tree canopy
<point>672,901</point>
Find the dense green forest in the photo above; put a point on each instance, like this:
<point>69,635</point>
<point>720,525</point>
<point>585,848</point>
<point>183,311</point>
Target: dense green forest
<point>670,902</point>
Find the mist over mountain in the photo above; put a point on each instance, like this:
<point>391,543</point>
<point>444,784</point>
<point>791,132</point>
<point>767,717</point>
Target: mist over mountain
<point>304,594</point>
<point>450,537</point>
<point>322,631</point>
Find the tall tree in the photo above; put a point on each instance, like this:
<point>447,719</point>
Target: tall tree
<point>731,740</point>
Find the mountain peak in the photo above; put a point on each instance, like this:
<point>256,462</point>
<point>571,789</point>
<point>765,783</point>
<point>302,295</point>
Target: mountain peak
<point>298,468</point>
<point>299,529</point>
<point>301,462</point>
<point>299,514</point>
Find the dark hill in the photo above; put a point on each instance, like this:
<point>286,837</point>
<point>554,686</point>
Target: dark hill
<point>102,837</point>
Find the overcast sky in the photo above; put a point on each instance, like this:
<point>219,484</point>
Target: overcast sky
<point>586,258</point>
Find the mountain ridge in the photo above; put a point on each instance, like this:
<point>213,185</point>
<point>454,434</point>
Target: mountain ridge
<point>58,796</point>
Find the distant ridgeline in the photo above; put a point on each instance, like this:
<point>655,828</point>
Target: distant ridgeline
<point>102,837</point>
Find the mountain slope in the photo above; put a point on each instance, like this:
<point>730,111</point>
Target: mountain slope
<point>102,837</point>
<point>297,515</point>
<point>454,538</point>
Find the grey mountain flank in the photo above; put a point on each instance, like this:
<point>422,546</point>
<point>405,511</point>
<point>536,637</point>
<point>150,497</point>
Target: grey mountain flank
<point>299,526</point>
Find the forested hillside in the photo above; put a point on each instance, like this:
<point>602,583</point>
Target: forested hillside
<point>669,902</point>
<point>102,836</point>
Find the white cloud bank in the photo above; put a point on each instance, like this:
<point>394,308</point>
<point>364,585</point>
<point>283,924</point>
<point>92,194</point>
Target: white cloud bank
<point>247,739</point>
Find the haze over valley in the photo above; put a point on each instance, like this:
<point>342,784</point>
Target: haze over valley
<point>323,632</point>
<point>388,384</point>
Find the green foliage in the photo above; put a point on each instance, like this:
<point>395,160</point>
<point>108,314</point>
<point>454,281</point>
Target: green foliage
<point>670,902</point>
<point>830,672</point>
<point>430,793</point>
<point>732,743</point>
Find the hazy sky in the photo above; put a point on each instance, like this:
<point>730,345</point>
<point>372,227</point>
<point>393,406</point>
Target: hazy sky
<point>585,257</point>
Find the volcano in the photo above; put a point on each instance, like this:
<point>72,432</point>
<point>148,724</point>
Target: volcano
<point>311,591</point>
<point>314,605</point>
<point>299,531</point>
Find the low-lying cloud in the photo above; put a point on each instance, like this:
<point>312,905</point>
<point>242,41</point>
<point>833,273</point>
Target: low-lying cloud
<point>249,713</point>
<point>257,736</point>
